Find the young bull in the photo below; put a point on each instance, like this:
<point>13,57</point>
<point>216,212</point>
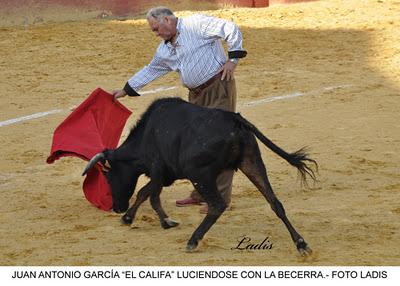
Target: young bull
<point>178,140</point>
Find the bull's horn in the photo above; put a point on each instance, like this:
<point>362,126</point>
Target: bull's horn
<point>93,162</point>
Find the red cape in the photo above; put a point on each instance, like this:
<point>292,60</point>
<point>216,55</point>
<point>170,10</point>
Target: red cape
<point>93,126</point>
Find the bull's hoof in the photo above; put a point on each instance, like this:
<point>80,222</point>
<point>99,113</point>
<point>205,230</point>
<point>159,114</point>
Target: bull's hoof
<point>305,252</point>
<point>127,220</point>
<point>303,248</point>
<point>168,223</point>
<point>191,247</point>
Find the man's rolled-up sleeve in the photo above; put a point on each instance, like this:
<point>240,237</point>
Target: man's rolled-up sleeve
<point>226,30</point>
<point>152,71</point>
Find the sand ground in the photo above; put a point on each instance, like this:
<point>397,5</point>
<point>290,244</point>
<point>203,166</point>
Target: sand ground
<point>342,56</point>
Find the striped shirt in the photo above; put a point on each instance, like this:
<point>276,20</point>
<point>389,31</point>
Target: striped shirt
<point>197,55</point>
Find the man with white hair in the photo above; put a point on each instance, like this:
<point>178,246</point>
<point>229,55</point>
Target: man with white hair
<point>192,46</point>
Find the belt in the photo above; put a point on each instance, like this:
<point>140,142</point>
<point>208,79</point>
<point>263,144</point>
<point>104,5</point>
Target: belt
<point>197,90</point>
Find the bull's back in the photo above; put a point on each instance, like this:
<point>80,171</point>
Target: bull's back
<point>185,133</point>
<point>175,117</point>
<point>170,115</point>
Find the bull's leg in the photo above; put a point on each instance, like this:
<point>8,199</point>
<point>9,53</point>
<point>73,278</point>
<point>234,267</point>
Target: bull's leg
<point>165,221</point>
<point>253,167</point>
<point>216,206</point>
<point>142,195</point>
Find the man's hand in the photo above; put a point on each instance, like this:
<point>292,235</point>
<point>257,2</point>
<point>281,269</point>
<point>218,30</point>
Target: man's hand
<point>227,70</point>
<point>118,93</point>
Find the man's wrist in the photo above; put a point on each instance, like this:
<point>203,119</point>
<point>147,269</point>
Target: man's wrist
<point>235,61</point>
<point>130,91</point>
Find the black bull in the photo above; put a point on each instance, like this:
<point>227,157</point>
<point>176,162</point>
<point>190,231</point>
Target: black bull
<point>178,140</point>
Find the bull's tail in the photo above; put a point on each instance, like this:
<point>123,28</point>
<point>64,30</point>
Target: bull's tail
<point>298,159</point>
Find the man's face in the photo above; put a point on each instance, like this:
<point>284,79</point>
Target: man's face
<point>164,29</point>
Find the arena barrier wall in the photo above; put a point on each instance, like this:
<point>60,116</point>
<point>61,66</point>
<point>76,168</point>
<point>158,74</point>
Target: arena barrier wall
<point>28,12</point>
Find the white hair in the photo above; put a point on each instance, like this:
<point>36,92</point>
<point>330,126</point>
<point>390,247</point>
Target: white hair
<point>159,13</point>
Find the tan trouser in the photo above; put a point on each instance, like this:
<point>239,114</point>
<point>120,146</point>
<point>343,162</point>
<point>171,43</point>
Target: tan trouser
<point>220,94</point>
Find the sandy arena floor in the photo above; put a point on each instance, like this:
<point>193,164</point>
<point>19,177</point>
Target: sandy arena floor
<point>342,57</point>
